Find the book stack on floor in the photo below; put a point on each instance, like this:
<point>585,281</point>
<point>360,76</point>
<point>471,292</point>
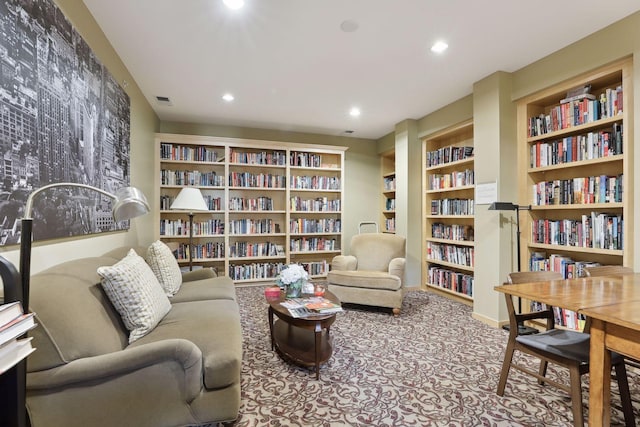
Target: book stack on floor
<point>13,324</point>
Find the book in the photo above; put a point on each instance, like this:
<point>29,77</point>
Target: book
<point>13,352</point>
<point>9,312</point>
<point>16,327</point>
<point>324,306</point>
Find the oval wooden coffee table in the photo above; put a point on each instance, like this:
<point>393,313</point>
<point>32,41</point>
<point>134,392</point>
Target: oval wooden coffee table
<point>304,341</point>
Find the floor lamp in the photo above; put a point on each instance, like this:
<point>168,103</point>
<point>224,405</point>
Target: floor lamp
<point>190,199</point>
<point>508,206</point>
<point>128,202</point>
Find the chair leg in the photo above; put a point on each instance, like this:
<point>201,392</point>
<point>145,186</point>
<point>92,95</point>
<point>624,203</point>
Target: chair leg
<point>576,395</point>
<point>543,370</point>
<point>506,366</point>
<point>625,396</point>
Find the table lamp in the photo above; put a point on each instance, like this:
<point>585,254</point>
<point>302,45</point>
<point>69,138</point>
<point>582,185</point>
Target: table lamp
<point>190,199</point>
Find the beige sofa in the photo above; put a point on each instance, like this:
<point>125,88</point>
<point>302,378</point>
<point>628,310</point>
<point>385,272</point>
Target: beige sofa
<point>185,372</point>
<point>374,272</point>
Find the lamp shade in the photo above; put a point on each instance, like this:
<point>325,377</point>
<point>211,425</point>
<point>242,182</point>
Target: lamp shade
<point>190,199</point>
<point>129,203</point>
<point>503,206</point>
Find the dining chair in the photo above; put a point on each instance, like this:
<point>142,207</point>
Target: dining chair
<point>608,270</point>
<point>563,347</point>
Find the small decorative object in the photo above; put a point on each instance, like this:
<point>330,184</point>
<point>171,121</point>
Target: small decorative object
<point>292,279</point>
<point>319,289</point>
<point>272,292</point>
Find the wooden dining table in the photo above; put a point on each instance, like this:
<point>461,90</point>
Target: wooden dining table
<point>613,305</point>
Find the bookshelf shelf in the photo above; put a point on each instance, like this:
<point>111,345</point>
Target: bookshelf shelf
<point>603,147</point>
<point>388,210</point>
<point>254,191</point>
<point>448,161</point>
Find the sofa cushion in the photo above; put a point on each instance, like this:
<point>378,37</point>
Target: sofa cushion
<point>165,266</point>
<point>75,318</point>
<point>135,293</point>
<point>365,279</point>
<point>213,326</point>
<point>199,290</point>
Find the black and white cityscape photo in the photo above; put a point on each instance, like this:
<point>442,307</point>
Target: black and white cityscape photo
<point>63,118</point>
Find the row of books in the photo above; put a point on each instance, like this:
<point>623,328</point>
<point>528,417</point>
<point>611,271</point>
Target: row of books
<point>569,268</point>
<point>182,177</point>
<point>563,317</point>
<point>179,227</point>
<point>315,183</point>
<point>13,324</point>
<point>188,153</point>
<point>452,280</point>
<point>255,271</point>
<point>389,183</point>
<point>253,226</point>
<point>324,225</point>
<point>255,249</point>
<point>260,180</point>
<point>597,230</point>
<point>452,231</point>
<point>252,204</point>
<point>448,154</point>
<point>593,145</point>
<point>316,268</point>
<point>461,255</point>
<point>452,207</point>
<point>586,109</point>
<point>310,244</point>
<point>451,180</point>
<point>319,204</point>
<point>273,158</point>
<point>584,190</point>
<point>213,203</point>
<point>208,250</point>
<point>390,224</point>
<point>390,204</point>
<point>303,159</point>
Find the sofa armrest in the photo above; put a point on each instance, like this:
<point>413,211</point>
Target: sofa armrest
<point>183,353</point>
<point>199,274</point>
<point>344,263</point>
<point>396,267</point>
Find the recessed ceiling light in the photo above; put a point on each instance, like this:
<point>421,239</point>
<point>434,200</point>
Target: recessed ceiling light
<point>228,97</point>
<point>233,4</point>
<point>349,26</point>
<point>439,47</point>
<point>354,112</point>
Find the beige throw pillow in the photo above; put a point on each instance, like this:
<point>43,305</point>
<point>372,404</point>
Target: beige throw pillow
<point>165,266</point>
<point>135,293</point>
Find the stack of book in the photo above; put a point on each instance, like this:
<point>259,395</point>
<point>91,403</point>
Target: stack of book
<point>13,324</point>
<point>311,306</point>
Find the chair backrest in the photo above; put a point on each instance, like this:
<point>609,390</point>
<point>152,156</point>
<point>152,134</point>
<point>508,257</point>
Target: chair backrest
<point>533,276</point>
<point>608,270</point>
<point>374,251</point>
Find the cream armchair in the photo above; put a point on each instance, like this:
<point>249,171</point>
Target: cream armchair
<point>374,272</point>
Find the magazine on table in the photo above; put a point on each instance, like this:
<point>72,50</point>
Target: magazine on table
<point>311,306</point>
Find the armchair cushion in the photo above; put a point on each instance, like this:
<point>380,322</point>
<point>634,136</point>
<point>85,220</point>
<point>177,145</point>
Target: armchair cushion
<point>365,279</point>
<point>135,293</point>
<point>344,262</point>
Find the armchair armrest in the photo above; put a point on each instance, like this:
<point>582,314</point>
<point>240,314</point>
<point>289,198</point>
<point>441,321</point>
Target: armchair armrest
<point>344,263</point>
<point>396,267</point>
<point>126,362</point>
<point>200,274</point>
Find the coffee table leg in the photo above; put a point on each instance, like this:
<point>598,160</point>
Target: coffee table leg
<point>271,328</point>
<point>318,336</point>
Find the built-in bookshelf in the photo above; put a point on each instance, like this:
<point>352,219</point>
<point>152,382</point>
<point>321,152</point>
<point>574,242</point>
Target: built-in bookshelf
<point>448,211</point>
<point>574,148</point>
<point>388,168</point>
<point>270,204</point>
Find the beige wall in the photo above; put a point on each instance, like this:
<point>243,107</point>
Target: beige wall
<point>143,125</point>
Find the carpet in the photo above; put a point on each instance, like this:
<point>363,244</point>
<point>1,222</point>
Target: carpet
<point>433,365</point>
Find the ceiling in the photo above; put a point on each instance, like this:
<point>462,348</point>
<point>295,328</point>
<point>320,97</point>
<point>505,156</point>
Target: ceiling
<point>291,67</point>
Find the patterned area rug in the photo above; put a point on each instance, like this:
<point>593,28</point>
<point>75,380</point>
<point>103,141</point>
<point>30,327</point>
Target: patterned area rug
<point>431,366</point>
